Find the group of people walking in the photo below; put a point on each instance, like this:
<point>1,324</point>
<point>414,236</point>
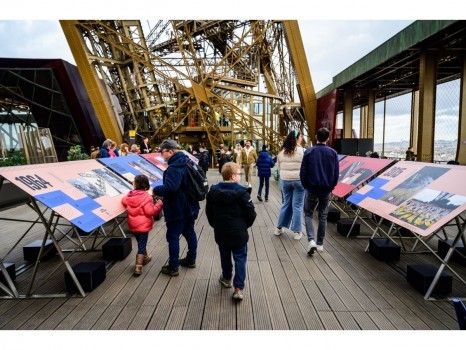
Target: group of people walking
<point>306,180</point>
<point>109,149</point>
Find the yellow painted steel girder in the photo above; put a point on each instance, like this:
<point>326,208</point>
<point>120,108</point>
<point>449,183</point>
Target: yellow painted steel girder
<point>92,82</point>
<point>305,86</point>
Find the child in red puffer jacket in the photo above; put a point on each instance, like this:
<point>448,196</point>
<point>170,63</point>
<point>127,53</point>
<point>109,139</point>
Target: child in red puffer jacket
<point>141,211</point>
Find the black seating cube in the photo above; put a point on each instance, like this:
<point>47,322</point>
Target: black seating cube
<point>31,251</point>
<point>344,225</point>
<point>444,246</point>
<point>404,232</point>
<point>420,276</point>
<point>384,249</point>
<point>117,248</point>
<point>333,214</point>
<point>11,269</point>
<point>89,275</point>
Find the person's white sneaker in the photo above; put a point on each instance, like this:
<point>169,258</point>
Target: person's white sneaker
<point>320,248</point>
<point>278,231</point>
<point>297,236</point>
<point>311,248</point>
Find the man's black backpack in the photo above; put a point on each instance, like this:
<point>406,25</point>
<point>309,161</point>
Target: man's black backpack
<point>197,182</point>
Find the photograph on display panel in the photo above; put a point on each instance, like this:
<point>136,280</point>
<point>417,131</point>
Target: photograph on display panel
<point>418,196</point>
<point>356,170</point>
<point>74,190</point>
<point>413,185</point>
<point>130,166</point>
<point>428,207</point>
<point>156,159</point>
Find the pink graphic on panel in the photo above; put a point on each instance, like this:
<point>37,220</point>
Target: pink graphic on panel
<point>83,192</point>
<point>156,159</point>
<point>356,170</point>
<point>421,197</point>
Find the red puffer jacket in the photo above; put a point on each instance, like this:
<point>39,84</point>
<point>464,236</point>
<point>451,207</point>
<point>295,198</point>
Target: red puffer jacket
<point>141,210</point>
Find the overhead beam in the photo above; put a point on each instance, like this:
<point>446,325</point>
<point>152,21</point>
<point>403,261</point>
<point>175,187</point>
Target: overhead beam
<point>92,82</point>
<point>305,86</point>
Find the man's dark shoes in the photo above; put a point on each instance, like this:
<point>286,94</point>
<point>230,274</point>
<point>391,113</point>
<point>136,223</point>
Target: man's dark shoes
<point>259,198</point>
<point>188,263</point>
<point>168,270</point>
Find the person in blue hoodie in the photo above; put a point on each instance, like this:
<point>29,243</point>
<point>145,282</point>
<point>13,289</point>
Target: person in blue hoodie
<point>319,176</point>
<point>179,211</point>
<point>230,212</point>
<point>264,163</point>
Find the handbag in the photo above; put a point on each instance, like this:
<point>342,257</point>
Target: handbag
<point>276,173</point>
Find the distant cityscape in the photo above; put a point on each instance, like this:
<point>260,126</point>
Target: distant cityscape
<point>444,151</point>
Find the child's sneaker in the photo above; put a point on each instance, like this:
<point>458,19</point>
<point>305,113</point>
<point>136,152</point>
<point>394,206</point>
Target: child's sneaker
<point>297,236</point>
<point>320,248</point>
<point>226,283</point>
<point>278,231</point>
<point>238,294</point>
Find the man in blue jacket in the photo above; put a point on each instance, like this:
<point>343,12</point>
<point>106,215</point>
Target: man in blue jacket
<point>319,176</point>
<point>180,212</point>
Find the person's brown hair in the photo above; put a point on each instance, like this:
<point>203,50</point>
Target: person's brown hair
<point>141,182</point>
<point>229,169</point>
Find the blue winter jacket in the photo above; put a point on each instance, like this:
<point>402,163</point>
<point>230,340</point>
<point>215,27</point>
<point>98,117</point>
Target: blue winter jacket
<point>176,205</point>
<point>319,169</point>
<point>264,163</point>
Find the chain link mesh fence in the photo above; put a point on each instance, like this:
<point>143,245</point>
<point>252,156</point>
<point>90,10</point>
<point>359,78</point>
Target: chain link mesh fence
<point>446,121</point>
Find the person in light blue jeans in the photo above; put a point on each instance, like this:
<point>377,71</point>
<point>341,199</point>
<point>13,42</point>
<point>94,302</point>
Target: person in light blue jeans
<point>292,207</point>
<point>289,164</point>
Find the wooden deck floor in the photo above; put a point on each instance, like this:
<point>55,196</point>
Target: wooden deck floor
<point>341,288</point>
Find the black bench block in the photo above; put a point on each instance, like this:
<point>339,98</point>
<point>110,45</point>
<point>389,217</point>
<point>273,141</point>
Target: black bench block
<point>404,232</point>
<point>117,248</point>
<point>442,250</point>
<point>31,251</point>
<point>384,249</point>
<point>344,225</point>
<point>10,268</point>
<point>420,276</point>
<point>89,275</point>
<point>333,214</point>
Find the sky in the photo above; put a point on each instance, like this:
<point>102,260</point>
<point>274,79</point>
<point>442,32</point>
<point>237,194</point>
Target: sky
<point>330,46</point>
<point>335,34</point>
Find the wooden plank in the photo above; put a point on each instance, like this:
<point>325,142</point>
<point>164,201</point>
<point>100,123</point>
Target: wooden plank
<point>329,320</point>
<point>273,297</point>
<point>381,320</point>
<point>260,308</point>
<point>364,321</point>
<point>346,320</point>
<point>194,315</point>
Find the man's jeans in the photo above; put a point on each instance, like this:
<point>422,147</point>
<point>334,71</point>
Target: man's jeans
<point>174,230</point>
<point>292,208</point>
<point>312,200</point>
<point>261,185</point>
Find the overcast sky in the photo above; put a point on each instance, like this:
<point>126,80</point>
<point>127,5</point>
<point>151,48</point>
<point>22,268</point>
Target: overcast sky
<point>330,46</point>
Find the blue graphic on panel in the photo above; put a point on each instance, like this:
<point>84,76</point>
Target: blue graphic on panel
<point>341,156</point>
<point>130,166</point>
<point>88,221</point>
<point>374,193</point>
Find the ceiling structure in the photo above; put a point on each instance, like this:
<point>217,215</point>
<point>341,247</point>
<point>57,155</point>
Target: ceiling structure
<point>393,67</point>
<point>214,80</point>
